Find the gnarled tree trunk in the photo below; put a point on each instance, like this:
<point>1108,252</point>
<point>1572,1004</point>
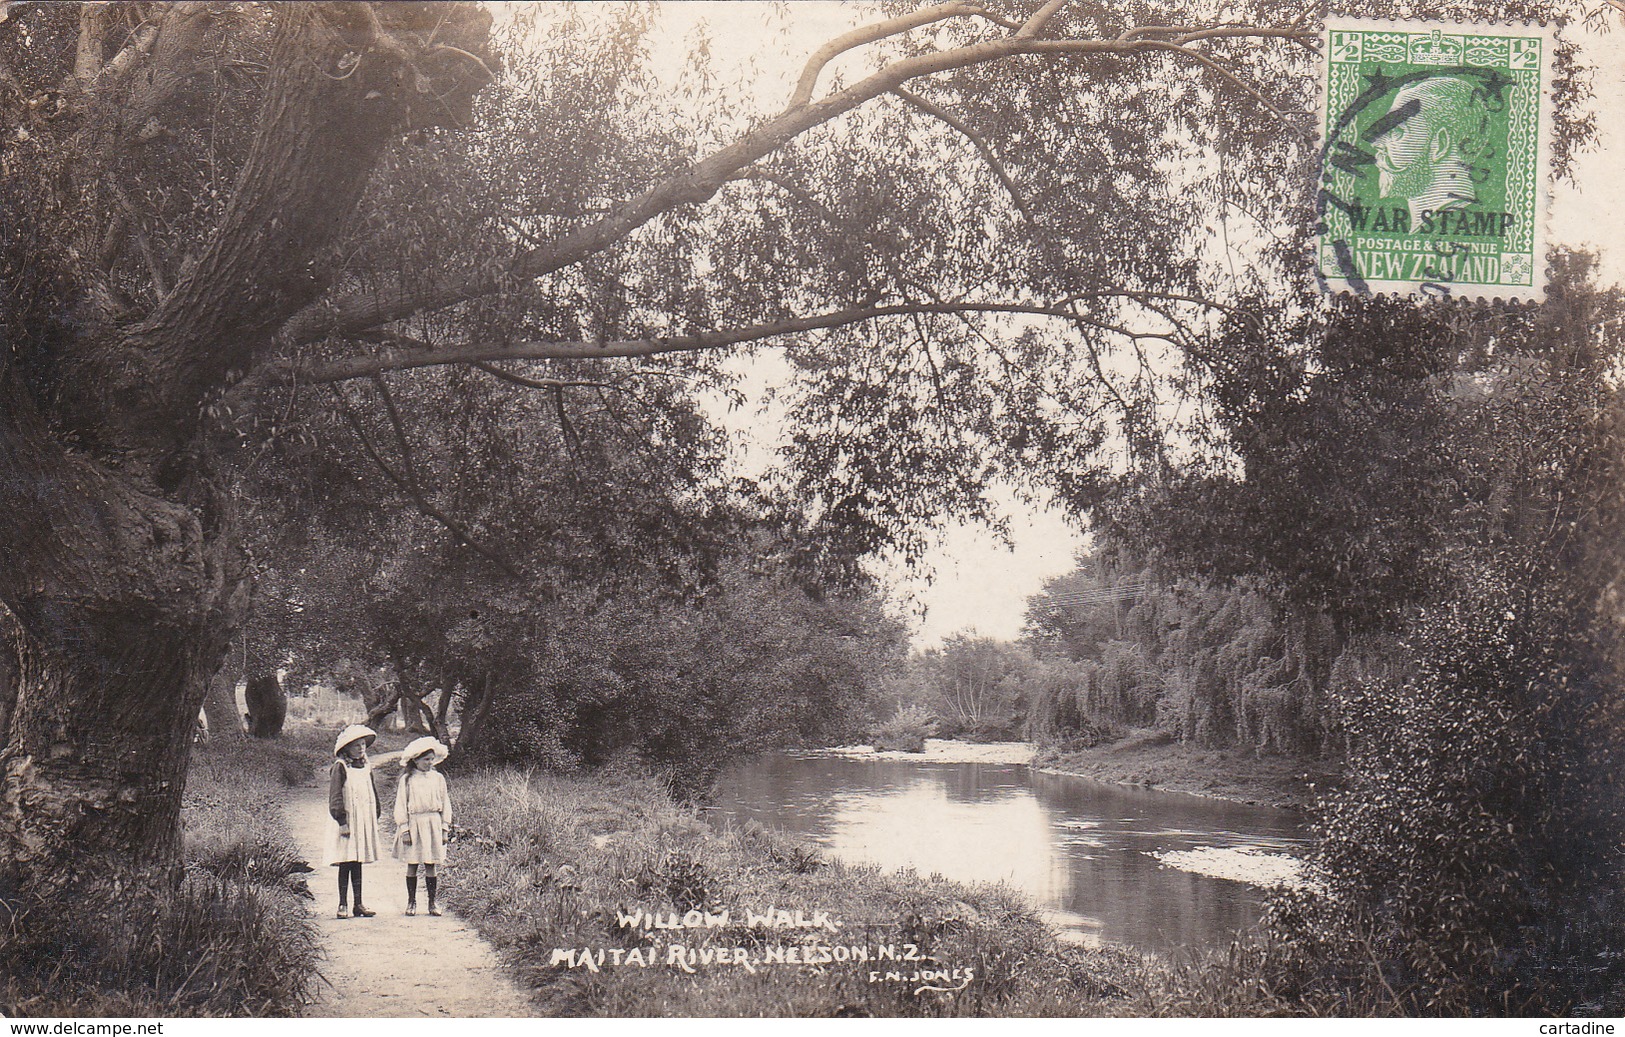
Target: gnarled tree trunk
<point>120,584</point>
<point>220,703</point>
<point>119,607</point>
<point>267,704</point>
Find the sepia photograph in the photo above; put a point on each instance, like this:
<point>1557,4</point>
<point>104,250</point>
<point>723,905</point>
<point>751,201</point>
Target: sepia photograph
<point>976,509</point>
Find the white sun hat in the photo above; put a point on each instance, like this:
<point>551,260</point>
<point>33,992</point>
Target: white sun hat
<point>355,732</point>
<point>427,744</point>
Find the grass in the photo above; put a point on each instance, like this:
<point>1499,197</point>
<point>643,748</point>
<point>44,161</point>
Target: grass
<point>232,939</point>
<point>544,864</point>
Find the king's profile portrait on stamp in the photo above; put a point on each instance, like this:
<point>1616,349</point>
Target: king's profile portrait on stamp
<point>1433,170</point>
<point>1428,156</point>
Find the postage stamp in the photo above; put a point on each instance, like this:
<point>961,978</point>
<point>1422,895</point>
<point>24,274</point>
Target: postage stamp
<point>1435,159</point>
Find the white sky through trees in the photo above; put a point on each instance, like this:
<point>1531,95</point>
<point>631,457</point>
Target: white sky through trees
<point>973,580</point>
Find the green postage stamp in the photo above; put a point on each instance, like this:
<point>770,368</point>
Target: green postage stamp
<point>1435,159</point>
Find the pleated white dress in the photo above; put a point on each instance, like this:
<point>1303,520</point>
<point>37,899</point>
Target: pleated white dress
<point>360,798</point>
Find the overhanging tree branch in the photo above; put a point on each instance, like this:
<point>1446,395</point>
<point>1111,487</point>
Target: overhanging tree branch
<point>1230,76</point>
<point>942,114</point>
<point>862,37</point>
<point>409,465</point>
<point>701,181</point>
<point>1035,25</point>
<point>540,383</point>
<point>416,354</point>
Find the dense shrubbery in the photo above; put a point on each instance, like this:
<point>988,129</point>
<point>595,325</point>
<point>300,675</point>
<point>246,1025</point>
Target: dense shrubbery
<point>213,947</point>
<point>689,686</point>
<point>1472,859</point>
<point>231,938</point>
<point>906,730</point>
<point>1477,847</point>
<point>1471,862</point>
<point>1469,865</point>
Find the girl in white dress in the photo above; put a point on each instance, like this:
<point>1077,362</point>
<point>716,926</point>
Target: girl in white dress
<point>352,801</point>
<point>422,810</point>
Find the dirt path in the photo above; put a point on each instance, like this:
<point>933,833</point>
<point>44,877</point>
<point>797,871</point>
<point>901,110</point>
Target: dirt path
<point>392,966</point>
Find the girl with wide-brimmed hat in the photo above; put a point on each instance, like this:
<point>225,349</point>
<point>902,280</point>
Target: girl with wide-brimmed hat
<point>422,810</point>
<point>352,801</point>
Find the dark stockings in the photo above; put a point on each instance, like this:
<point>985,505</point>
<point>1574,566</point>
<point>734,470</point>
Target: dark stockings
<point>350,871</point>
<point>429,884</point>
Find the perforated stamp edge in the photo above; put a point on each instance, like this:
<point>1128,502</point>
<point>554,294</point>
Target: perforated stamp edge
<point>1335,258</point>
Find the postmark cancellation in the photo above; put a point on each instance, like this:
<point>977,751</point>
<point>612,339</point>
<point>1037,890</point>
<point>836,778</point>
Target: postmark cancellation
<point>1435,161</point>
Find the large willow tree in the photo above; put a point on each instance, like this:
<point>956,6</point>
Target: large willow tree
<point>976,229</point>
<point>199,196</point>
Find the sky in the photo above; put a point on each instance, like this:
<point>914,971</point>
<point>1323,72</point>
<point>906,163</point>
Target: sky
<point>973,581</point>
<point>982,585</point>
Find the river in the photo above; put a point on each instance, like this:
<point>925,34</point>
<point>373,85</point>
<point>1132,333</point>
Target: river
<point>1106,863</point>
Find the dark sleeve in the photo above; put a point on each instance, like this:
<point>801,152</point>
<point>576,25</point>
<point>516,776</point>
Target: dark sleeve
<point>377,802</point>
<point>335,792</point>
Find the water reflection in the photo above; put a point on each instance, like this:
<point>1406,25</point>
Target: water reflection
<point>1079,849</point>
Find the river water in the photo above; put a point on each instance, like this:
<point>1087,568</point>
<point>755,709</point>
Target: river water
<point>1107,863</point>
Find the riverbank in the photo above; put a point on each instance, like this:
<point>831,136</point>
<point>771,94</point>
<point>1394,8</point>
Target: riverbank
<point>604,898</point>
<point>1144,758</point>
<point>938,750</point>
<point>609,900</point>
<point>1154,759</point>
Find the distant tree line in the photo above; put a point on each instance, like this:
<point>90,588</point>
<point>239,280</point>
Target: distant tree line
<point>1109,647</point>
<point>1218,666</point>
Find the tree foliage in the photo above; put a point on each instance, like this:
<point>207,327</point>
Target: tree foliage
<point>688,687</point>
<point>1216,665</point>
<point>1004,242</point>
<point>972,687</point>
<point>1479,749</point>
